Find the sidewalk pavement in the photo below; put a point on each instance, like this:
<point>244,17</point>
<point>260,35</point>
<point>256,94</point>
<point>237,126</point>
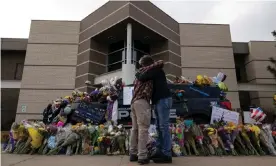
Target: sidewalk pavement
<point>34,160</point>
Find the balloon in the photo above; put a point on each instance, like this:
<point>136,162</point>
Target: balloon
<point>222,86</point>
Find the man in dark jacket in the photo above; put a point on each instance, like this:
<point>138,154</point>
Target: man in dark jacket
<point>161,98</point>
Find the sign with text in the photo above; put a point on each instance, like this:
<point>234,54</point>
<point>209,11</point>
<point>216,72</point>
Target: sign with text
<point>124,114</point>
<point>90,112</point>
<point>228,116</point>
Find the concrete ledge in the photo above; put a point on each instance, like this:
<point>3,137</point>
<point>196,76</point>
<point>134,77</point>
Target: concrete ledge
<point>256,87</point>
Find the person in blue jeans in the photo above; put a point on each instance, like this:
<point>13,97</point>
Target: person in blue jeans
<point>161,98</point>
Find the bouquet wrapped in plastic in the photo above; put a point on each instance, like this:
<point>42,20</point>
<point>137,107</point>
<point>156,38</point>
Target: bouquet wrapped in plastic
<point>264,139</point>
<point>230,133</point>
<point>190,141</point>
<point>36,135</point>
<point>64,137</point>
<point>253,132</point>
<point>199,138</point>
<point>213,135</point>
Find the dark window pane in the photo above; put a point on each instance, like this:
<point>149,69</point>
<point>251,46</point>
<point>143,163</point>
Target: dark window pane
<point>115,66</point>
<point>238,73</point>
<point>116,46</point>
<point>141,46</point>
<point>18,71</point>
<point>115,57</point>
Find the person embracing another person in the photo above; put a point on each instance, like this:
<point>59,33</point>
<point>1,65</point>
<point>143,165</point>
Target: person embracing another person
<point>141,112</point>
<point>150,84</point>
<point>162,100</point>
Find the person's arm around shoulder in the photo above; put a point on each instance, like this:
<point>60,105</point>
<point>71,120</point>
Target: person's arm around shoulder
<point>147,75</point>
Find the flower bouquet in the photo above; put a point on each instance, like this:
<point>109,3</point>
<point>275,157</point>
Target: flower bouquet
<point>213,135</point>
<point>239,143</point>
<point>199,138</point>
<point>231,132</point>
<point>189,141</point>
<point>69,140</point>
<point>254,134</point>
<point>51,138</point>
<point>93,135</point>
<point>118,140</point>
<point>10,145</point>
<point>207,143</point>
<point>84,134</point>
<point>20,134</point>
<point>226,138</point>
<point>248,144</point>
<point>264,139</point>
<point>34,141</point>
<point>268,130</point>
<point>180,137</point>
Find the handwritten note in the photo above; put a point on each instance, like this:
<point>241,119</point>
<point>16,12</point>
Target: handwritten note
<point>127,95</point>
<point>228,116</point>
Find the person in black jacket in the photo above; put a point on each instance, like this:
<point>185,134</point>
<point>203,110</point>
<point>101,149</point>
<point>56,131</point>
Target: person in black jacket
<point>161,98</point>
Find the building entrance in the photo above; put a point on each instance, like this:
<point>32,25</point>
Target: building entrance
<point>117,54</point>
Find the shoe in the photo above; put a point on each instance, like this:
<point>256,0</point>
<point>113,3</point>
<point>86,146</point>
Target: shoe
<point>163,159</point>
<point>143,161</point>
<point>156,154</point>
<point>133,158</point>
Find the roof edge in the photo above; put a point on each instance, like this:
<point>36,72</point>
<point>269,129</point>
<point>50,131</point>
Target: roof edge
<point>262,41</point>
<point>7,38</point>
<point>206,24</point>
<point>162,11</point>
<point>59,20</point>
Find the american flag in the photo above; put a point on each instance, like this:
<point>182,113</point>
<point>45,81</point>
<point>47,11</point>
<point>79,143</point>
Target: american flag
<point>257,114</point>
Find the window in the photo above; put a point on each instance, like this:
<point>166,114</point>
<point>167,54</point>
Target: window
<point>138,45</point>
<point>140,49</point>
<point>238,73</point>
<point>116,46</point>
<point>18,71</point>
<point>115,56</point>
<point>117,53</point>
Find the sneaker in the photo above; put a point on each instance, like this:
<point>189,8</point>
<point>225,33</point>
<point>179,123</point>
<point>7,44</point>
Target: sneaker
<point>143,161</point>
<point>133,158</point>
